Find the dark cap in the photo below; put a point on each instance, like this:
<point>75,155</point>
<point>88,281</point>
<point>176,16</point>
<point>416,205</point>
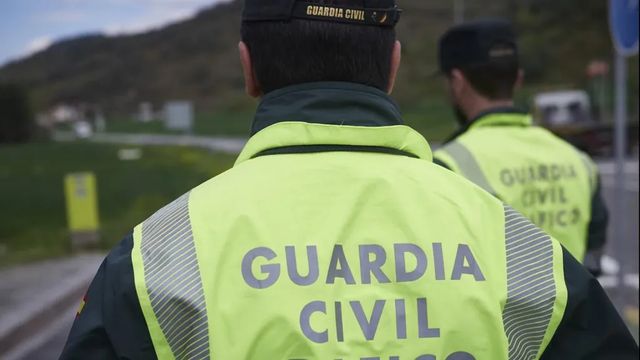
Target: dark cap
<point>477,43</point>
<point>363,12</point>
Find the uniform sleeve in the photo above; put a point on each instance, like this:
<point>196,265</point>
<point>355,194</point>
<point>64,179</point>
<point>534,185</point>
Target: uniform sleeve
<point>597,231</point>
<point>111,324</point>
<point>88,338</point>
<point>599,220</point>
<point>591,327</point>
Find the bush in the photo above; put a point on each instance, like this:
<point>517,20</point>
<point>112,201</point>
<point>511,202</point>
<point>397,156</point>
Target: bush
<point>16,117</point>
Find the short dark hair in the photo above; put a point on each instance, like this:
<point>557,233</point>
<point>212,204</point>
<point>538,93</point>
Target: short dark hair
<point>302,51</point>
<point>495,80</point>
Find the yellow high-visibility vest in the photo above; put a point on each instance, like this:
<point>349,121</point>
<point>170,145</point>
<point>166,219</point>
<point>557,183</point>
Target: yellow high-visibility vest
<point>345,255</point>
<point>529,168</point>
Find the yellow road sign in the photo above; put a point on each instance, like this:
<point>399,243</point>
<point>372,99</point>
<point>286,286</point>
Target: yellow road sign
<point>82,202</point>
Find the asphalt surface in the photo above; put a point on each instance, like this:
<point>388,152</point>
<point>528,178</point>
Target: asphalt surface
<point>622,255</point>
<point>621,264</point>
<point>51,340</point>
<point>228,145</point>
<point>38,301</point>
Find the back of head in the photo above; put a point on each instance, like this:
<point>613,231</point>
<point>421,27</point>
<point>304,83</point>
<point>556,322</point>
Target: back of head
<point>486,52</point>
<point>328,47</point>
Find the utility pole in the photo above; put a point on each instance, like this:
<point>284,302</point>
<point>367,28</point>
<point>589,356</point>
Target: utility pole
<point>458,11</point>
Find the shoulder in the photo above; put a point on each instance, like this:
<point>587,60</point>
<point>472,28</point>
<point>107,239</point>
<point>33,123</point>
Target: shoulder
<point>448,155</point>
<point>585,161</point>
<point>111,323</point>
<point>444,179</point>
<point>177,210</point>
<point>560,142</point>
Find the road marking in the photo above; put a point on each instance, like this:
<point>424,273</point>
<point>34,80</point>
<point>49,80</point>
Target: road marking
<point>612,281</point>
<point>608,281</point>
<point>610,265</point>
<point>631,280</point>
<point>611,269</point>
<point>629,185</point>
<point>609,168</point>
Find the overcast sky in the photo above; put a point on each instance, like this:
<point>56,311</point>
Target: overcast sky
<point>27,26</point>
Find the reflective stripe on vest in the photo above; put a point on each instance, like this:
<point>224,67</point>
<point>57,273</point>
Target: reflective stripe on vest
<point>173,284</point>
<point>530,285</point>
<point>468,165</point>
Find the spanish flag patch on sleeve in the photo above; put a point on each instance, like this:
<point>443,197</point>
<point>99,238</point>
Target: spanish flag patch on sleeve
<point>82,304</point>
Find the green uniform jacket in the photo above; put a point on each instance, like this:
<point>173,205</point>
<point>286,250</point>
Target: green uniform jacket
<point>335,237</point>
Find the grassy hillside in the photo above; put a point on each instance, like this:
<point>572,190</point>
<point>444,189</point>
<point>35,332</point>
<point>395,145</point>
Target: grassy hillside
<point>196,59</point>
<point>33,211</point>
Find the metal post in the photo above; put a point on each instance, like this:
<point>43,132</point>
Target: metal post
<point>620,223</point>
<point>458,11</point>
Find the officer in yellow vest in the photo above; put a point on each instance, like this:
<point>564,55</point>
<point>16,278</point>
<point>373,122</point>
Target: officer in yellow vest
<point>499,149</point>
<point>335,236</point>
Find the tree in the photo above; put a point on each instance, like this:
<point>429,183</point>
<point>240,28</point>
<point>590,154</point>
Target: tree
<point>560,38</point>
<point>16,116</point>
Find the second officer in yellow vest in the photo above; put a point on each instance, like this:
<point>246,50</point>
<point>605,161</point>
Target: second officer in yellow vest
<point>334,236</point>
<point>498,148</point>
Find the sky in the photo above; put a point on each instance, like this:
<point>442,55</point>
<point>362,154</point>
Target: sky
<point>28,26</point>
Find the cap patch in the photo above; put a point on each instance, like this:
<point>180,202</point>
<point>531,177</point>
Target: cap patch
<point>502,51</point>
<point>351,15</point>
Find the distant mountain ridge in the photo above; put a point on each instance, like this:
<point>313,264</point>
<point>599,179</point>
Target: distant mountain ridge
<point>197,58</point>
<point>178,61</point>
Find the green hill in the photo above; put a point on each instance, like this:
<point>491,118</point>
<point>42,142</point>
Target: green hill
<point>196,59</point>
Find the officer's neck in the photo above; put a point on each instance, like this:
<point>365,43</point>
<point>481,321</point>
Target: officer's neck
<point>475,108</point>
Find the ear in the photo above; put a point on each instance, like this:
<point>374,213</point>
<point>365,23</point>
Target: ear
<point>458,83</point>
<point>396,59</point>
<point>519,80</point>
<point>250,81</point>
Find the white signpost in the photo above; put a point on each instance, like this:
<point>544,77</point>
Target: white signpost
<point>178,115</point>
<point>623,16</point>
<point>145,112</point>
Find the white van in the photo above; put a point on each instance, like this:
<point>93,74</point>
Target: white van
<point>562,108</point>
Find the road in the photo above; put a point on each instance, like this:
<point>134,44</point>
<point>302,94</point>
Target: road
<point>38,301</point>
<point>621,264</point>
<point>228,145</point>
<point>48,343</point>
<point>621,256</point>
